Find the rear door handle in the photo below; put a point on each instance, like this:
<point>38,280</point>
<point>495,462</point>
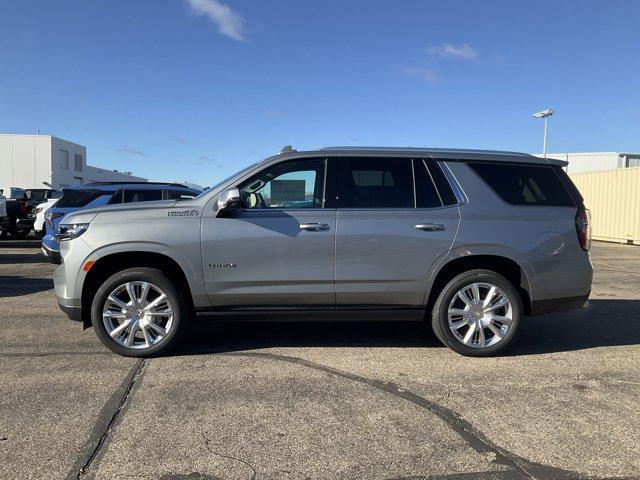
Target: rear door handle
<point>431,227</point>
<point>314,227</point>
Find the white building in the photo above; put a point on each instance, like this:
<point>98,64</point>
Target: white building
<point>33,161</point>
<point>596,161</point>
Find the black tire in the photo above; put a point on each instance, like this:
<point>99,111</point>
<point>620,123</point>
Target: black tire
<point>21,234</point>
<point>158,278</point>
<point>440,319</point>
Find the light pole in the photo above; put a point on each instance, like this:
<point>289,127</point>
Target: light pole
<point>544,114</point>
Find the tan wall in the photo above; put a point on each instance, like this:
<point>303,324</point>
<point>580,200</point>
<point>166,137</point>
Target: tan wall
<point>613,196</point>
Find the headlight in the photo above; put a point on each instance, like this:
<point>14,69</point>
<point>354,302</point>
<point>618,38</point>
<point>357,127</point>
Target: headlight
<point>71,230</point>
<point>50,216</point>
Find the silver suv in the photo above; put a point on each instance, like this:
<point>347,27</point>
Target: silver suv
<point>471,241</point>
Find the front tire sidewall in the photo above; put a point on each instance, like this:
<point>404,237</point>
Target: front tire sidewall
<point>440,319</point>
<point>155,277</point>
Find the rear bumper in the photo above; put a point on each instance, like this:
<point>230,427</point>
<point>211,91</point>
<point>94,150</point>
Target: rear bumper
<point>552,305</point>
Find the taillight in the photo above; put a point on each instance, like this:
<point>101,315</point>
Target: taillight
<point>583,228</point>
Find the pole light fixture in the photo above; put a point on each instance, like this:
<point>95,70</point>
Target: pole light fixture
<point>544,114</point>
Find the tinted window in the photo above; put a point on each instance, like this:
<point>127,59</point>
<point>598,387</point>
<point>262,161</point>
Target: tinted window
<point>78,198</point>
<point>525,184</point>
<point>426,194</point>
<point>444,188</point>
<point>295,184</point>
<point>375,183</point>
<point>176,194</point>
<point>131,196</point>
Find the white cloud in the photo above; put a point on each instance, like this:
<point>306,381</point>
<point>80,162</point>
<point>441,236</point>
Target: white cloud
<point>463,51</point>
<point>131,151</point>
<point>423,73</point>
<point>229,23</point>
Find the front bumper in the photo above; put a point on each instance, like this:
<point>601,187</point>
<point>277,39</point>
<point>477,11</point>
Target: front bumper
<point>73,312</point>
<point>53,255</point>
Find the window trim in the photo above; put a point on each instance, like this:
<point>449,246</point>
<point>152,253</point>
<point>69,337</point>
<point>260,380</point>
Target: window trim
<point>520,164</point>
<point>325,160</point>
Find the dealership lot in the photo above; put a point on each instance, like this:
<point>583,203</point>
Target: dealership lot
<point>295,400</point>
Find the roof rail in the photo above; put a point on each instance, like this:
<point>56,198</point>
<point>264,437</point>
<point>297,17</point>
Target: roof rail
<point>173,184</point>
<point>427,150</point>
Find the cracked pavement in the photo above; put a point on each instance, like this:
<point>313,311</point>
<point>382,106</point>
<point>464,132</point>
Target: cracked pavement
<point>321,400</point>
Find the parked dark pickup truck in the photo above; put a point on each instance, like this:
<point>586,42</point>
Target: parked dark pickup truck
<point>18,220</point>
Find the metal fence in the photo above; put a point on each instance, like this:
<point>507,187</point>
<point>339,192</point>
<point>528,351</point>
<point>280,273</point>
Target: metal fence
<point>613,196</point>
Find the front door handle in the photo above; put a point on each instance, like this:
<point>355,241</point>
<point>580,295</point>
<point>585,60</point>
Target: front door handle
<point>314,227</point>
<point>431,227</point>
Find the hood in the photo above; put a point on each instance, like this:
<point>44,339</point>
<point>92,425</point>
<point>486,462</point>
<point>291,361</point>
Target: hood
<point>87,215</point>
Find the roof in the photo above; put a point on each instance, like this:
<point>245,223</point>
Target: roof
<point>452,154</point>
<point>115,186</point>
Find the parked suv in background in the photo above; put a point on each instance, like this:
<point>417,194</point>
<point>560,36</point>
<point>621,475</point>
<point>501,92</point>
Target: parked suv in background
<point>104,193</point>
<point>470,240</point>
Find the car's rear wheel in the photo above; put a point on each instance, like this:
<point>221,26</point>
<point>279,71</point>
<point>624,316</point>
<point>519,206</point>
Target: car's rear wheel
<point>139,312</point>
<point>478,313</point>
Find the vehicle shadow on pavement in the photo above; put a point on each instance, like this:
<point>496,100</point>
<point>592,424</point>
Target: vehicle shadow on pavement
<point>235,336</point>
<point>27,243</point>
<point>16,258</point>
<point>604,323</point>
<point>16,286</point>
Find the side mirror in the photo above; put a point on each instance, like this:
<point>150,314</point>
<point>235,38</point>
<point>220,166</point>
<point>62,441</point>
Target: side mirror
<point>229,200</point>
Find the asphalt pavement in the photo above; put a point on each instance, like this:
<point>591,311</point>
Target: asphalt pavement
<point>366,400</point>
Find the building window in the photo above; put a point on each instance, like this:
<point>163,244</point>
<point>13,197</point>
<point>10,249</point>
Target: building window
<point>64,159</point>
<point>77,160</point>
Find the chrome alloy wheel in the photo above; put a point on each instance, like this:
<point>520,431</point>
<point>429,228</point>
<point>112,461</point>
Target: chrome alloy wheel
<point>480,315</point>
<point>137,315</point>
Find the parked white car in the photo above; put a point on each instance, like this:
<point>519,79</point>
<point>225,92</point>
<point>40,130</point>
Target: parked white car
<point>41,209</point>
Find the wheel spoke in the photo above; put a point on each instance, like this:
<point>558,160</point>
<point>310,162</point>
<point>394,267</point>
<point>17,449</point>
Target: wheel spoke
<point>459,323</point>
<point>481,337</point>
<point>144,292</point>
<point>501,319</point>
<point>463,296</point>
<point>490,295</point>
<point>496,331</point>
<point>475,291</point>
<point>117,302</point>
<point>120,328</point>
<point>457,311</point>
<point>161,313</point>
<point>132,333</point>
<point>158,329</point>
<point>132,293</point>
<point>147,338</point>
<point>500,303</point>
<point>116,315</point>
<point>467,338</point>
<point>155,302</point>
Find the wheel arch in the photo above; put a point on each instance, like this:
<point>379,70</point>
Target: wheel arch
<point>107,265</point>
<point>507,267</point>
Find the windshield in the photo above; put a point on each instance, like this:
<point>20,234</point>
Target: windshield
<point>222,182</point>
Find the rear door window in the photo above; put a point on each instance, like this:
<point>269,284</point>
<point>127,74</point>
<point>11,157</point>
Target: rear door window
<point>79,198</point>
<point>131,196</point>
<point>525,184</point>
<point>375,183</point>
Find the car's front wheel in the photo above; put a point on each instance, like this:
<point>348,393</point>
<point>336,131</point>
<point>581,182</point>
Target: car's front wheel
<point>139,312</point>
<point>478,313</point>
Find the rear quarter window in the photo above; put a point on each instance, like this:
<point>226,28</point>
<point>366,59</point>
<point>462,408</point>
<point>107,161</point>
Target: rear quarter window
<point>79,198</point>
<point>525,184</point>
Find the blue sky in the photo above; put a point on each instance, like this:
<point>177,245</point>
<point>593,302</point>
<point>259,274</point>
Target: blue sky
<point>196,89</point>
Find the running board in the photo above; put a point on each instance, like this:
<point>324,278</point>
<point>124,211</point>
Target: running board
<point>313,314</point>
